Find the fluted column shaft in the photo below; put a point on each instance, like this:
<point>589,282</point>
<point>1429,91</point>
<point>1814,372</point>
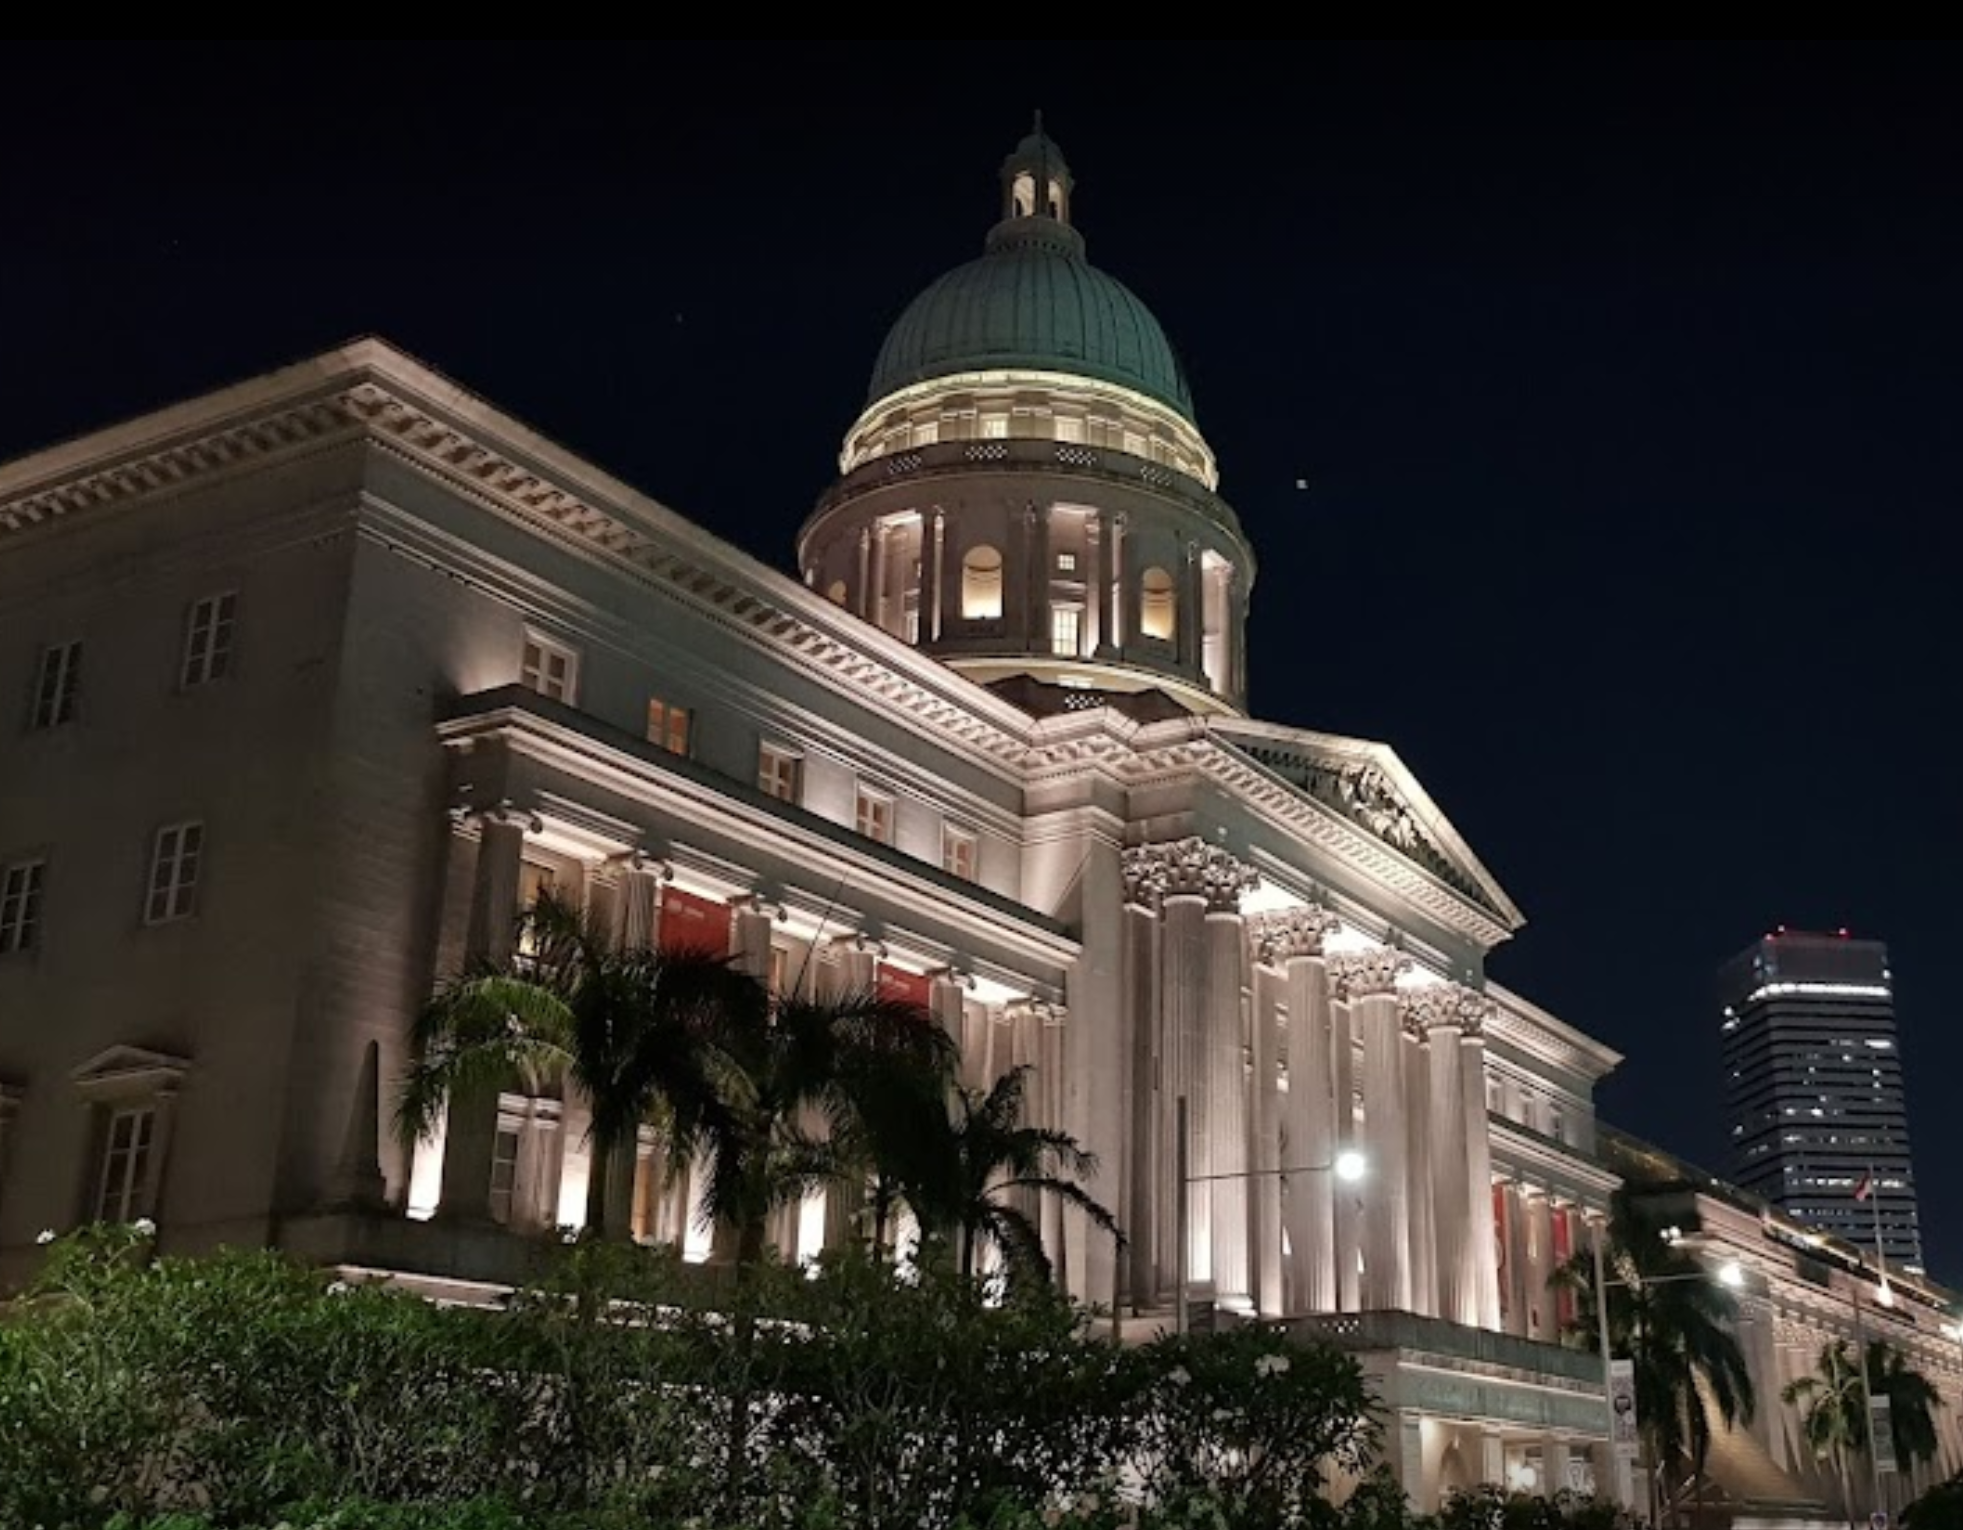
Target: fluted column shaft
<point>1370,978</point>
<point>1182,977</point>
<point>1423,1223</point>
<point>1150,1206</point>
<point>1314,1132</point>
<point>1483,1248</point>
<point>1227,1042</point>
<point>1451,1209</point>
<point>1348,1209</point>
<point>1264,1132</point>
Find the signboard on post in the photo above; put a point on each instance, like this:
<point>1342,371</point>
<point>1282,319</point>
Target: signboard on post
<point>1622,1409</point>
<point>1881,1430</point>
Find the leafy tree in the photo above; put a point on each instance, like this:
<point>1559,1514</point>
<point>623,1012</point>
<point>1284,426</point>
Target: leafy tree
<point>1912,1400</point>
<point>1833,1404</point>
<point>1678,1327</point>
<point>631,1028</point>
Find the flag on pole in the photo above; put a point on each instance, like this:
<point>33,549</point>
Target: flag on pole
<point>1866,1187</point>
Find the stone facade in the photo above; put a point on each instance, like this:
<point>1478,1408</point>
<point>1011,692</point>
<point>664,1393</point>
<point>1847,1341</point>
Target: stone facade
<point>364,663</point>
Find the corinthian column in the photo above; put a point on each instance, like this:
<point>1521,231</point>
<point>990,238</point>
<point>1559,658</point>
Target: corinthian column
<point>1306,1136</point>
<point>1482,1235</point>
<point>1442,1011</point>
<point>1150,1208</point>
<point>1423,1232</point>
<point>1368,980</point>
<point>1197,885</point>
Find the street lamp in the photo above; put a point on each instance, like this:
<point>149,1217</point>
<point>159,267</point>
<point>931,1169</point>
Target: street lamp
<point>1348,1165</point>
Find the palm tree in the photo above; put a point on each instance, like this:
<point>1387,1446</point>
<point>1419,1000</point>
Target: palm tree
<point>1833,1404</point>
<point>1677,1326</point>
<point>991,1165</point>
<point>632,1029</point>
<point>1912,1400</point>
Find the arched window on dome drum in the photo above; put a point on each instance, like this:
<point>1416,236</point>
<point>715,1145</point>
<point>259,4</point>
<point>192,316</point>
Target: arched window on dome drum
<point>1157,606</point>
<point>981,584</point>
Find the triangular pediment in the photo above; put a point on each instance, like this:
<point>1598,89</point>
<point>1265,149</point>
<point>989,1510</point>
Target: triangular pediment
<point>1367,785</point>
<point>123,1065</point>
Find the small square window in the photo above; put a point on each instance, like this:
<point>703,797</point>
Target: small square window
<point>668,726</point>
<point>174,866</point>
<point>874,815</point>
<point>960,853</point>
<point>208,640</point>
<point>780,773</point>
<point>1066,563</point>
<point>57,686</point>
<point>123,1191</point>
<point>20,906</point>
<point>551,669</point>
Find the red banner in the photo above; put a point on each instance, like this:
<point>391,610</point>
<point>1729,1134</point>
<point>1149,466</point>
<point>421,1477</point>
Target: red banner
<point>689,923</point>
<point>1564,1307</point>
<point>905,987</point>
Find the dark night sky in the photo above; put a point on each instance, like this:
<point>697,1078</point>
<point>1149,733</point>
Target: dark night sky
<point>1624,381</point>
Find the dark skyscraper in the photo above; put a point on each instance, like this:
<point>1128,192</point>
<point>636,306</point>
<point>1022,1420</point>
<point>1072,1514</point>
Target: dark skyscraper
<point>1813,1077</point>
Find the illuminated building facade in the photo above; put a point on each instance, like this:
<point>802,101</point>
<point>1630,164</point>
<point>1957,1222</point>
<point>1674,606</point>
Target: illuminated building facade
<point>1813,1077</point>
<point>328,673</point>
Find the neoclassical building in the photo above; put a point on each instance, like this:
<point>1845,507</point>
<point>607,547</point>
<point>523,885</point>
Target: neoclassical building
<point>323,676</point>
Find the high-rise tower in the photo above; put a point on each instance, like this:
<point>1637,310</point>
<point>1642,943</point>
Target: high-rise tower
<point>1819,1124</point>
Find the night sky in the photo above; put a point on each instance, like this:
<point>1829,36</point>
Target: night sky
<point>1624,384</point>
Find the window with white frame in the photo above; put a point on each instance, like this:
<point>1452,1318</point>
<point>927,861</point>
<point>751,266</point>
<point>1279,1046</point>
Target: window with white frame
<point>175,861</point>
<point>57,685</point>
<point>20,906</point>
<point>668,726</point>
<point>208,640</point>
<point>123,1187</point>
<point>780,772</point>
<point>873,816</point>
<point>551,669</point>
<point>960,852</point>
<point>1066,563</point>
<point>1066,630</point>
<point>1069,428</point>
<point>504,1173</point>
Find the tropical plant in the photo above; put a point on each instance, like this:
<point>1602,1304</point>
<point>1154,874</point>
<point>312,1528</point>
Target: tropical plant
<point>1912,1400</point>
<point>1833,1405</point>
<point>984,1170</point>
<point>631,1028</point>
<point>1678,1327</point>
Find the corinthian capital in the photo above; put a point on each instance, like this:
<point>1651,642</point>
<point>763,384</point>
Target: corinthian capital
<point>1474,1010</point>
<point>1290,932</point>
<point>1435,1004</point>
<point>1189,868</point>
<point>1359,974</point>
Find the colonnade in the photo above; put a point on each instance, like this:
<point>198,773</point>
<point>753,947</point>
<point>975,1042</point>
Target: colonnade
<point>1289,1055</point>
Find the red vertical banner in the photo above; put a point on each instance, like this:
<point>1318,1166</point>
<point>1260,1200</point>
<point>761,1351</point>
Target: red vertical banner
<point>1499,1244</point>
<point>689,923</point>
<point>1564,1308</point>
<point>900,986</point>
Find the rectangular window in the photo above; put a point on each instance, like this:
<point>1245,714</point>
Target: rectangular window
<point>1066,563</point>
<point>994,427</point>
<point>779,773</point>
<point>504,1173</point>
<point>1069,428</point>
<point>121,1192</point>
<point>174,873</point>
<point>208,640</point>
<point>668,727</point>
<point>550,668</point>
<point>874,817</point>
<point>57,686</point>
<point>1066,630</point>
<point>20,906</point>
<point>959,853</point>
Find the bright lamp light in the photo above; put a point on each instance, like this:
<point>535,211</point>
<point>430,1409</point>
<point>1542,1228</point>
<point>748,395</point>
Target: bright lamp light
<point>1349,1165</point>
<point>1729,1274</point>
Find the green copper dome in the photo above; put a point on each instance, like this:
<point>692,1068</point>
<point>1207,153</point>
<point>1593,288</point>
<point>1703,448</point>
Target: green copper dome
<point>1032,301</point>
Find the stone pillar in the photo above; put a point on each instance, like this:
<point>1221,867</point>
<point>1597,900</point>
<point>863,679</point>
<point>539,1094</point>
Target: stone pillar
<point>938,569</point>
<point>1554,1461</point>
<point>1482,1245</point>
<point>357,1183</point>
<point>1369,978</point>
<point>1114,581</point>
<point>470,1137</point>
<point>1197,886</point>
<point>1307,1130</point>
<point>1146,1221</point>
<point>1265,1162</point>
<point>1036,578</point>
<point>750,943</point>
<point>1347,1213</point>
<point>637,900</point>
<point>1492,1458</point>
<point>864,603</point>
<point>1189,622</point>
<point>1227,1040</point>
<point>1417,1147</point>
<point>1452,1228</point>
<point>1540,1264</point>
<point>882,577</point>
<point>1093,585</point>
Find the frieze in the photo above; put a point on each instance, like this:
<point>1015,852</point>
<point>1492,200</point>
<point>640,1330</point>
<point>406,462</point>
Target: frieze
<point>1187,868</point>
<point>1290,932</point>
<point>1362,974</point>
